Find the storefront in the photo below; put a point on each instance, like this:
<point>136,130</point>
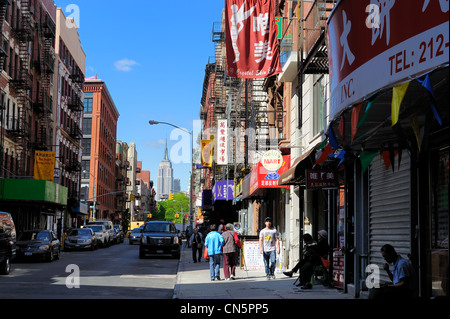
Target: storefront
<point>223,207</point>
<point>389,120</point>
<point>33,204</point>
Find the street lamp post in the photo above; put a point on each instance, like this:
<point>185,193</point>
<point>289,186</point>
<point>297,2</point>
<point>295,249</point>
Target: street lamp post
<point>191,133</point>
<point>93,194</point>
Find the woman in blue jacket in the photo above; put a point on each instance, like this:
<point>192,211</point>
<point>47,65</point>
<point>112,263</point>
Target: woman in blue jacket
<point>214,242</point>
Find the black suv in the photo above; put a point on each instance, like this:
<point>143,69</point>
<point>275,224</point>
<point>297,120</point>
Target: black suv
<point>7,242</point>
<point>160,237</point>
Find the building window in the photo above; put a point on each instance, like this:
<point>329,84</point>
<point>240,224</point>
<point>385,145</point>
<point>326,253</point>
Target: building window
<point>318,103</point>
<point>88,98</point>
<point>87,126</point>
<point>85,169</point>
<point>86,147</point>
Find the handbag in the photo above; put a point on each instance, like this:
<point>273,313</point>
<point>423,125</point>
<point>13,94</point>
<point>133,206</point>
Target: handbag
<point>205,253</point>
<point>236,240</point>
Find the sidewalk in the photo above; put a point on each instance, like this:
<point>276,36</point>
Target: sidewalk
<point>193,282</point>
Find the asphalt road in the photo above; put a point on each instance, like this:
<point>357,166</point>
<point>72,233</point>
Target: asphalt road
<point>113,272</point>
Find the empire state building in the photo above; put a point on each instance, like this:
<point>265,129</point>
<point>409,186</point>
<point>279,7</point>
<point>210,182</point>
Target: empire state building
<point>165,177</point>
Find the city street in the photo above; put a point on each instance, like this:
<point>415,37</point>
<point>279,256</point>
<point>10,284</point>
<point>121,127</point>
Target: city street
<point>115,272</point>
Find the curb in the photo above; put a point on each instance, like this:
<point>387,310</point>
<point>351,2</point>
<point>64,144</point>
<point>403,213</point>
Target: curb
<point>179,271</point>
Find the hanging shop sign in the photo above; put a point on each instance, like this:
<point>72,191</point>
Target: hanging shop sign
<point>250,35</point>
<point>321,179</point>
<point>261,177</point>
<point>222,142</point>
<point>374,45</point>
<point>223,190</point>
<point>272,160</point>
<point>44,165</point>
<point>207,152</point>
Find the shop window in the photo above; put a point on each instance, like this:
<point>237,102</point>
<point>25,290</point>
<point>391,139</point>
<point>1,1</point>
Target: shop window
<point>318,104</point>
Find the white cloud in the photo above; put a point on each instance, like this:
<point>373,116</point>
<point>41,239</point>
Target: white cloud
<point>125,64</point>
<point>156,144</point>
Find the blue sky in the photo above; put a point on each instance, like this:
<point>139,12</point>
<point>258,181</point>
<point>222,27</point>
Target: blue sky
<point>152,57</point>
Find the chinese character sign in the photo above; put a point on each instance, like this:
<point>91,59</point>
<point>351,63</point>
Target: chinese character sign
<point>250,33</point>
<point>44,165</point>
<point>320,179</point>
<point>222,142</point>
<point>375,44</point>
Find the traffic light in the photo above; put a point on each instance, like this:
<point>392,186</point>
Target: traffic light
<point>170,196</point>
<point>149,215</point>
<point>131,197</point>
<point>177,215</point>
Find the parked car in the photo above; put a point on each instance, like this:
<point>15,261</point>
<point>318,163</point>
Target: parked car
<point>135,236</point>
<point>38,244</point>
<point>109,228</point>
<point>120,234</point>
<point>7,242</point>
<point>160,237</point>
<point>81,238</point>
<point>101,234</point>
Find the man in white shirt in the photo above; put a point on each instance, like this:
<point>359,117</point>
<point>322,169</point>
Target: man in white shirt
<point>269,246</point>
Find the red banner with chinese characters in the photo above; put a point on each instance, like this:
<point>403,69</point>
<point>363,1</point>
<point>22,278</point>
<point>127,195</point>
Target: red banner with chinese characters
<point>374,44</point>
<point>251,39</point>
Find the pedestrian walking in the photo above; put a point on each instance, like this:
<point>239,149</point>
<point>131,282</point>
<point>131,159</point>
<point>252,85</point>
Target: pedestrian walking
<point>230,252</point>
<point>269,247</point>
<point>221,228</point>
<point>214,242</point>
<point>196,242</point>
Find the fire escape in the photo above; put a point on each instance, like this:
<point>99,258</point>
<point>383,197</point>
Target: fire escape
<point>3,55</point>
<point>45,63</point>
<point>312,34</point>
<point>21,83</point>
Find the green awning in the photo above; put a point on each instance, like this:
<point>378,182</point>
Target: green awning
<point>32,190</point>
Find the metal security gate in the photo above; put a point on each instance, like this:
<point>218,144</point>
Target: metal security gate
<point>389,209</point>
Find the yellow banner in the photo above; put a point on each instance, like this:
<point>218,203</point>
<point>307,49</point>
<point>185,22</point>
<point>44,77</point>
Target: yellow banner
<point>207,152</point>
<point>44,165</point>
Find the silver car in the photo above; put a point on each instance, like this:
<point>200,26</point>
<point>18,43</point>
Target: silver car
<point>81,238</point>
<point>135,236</point>
<point>101,234</point>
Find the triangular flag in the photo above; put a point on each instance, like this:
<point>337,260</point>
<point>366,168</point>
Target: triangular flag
<point>426,83</point>
<point>398,93</point>
<point>366,158</point>
<point>342,128</point>
<point>368,107</point>
<point>415,126</point>
<point>341,156</point>
<point>332,139</point>
<point>327,151</point>
<point>387,162</point>
<point>355,115</point>
<point>392,154</point>
<point>322,145</point>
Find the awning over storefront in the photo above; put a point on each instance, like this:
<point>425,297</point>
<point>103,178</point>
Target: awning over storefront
<point>82,209</point>
<point>32,190</point>
<point>296,174</point>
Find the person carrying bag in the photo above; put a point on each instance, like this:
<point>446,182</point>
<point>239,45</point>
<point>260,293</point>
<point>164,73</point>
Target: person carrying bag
<point>196,242</point>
